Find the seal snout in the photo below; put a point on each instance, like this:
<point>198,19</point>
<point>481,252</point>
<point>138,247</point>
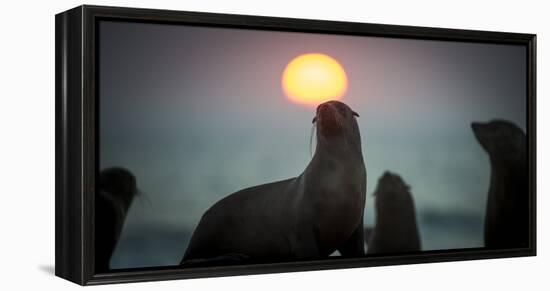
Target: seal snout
<point>477,127</point>
<point>325,108</point>
<point>389,177</point>
<point>479,130</point>
<point>333,116</point>
<point>390,182</point>
<point>328,119</point>
<point>119,182</point>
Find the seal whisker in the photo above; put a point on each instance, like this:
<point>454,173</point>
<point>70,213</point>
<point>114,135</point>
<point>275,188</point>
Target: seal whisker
<point>142,196</point>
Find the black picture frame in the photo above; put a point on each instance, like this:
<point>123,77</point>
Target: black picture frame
<point>76,138</point>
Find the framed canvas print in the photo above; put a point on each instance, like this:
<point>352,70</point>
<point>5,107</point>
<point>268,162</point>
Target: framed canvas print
<point>198,144</point>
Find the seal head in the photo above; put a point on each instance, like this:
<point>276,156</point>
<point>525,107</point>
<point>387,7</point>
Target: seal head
<point>337,128</point>
<point>120,183</point>
<point>501,139</point>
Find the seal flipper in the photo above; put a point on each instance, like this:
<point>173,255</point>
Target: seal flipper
<point>355,245</point>
<point>223,260</point>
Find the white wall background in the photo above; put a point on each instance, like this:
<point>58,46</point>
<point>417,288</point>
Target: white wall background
<point>27,145</point>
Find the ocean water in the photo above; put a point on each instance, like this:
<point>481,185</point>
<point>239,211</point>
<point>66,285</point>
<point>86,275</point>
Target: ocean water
<point>165,246</point>
<point>187,174</point>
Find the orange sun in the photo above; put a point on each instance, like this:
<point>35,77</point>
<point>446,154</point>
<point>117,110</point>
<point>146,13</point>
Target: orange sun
<point>314,78</point>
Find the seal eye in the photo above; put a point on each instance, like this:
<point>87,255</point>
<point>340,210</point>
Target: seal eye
<point>355,114</point>
<point>314,119</point>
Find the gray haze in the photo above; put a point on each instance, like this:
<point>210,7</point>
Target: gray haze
<point>197,113</point>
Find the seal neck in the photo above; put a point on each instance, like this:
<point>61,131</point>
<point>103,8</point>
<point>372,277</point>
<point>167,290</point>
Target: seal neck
<point>348,151</point>
<point>338,169</point>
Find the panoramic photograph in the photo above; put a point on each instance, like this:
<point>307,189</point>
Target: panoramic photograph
<point>227,146</point>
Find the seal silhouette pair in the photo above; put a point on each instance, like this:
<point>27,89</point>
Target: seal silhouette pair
<point>507,211</point>
<point>308,216</point>
<point>395,229</point>
<point>117,189</point>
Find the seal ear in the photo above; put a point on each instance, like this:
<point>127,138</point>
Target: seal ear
<point>355,114</point>
<point>314,119</point>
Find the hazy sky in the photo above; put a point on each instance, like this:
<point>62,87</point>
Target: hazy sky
<point>197,113</point>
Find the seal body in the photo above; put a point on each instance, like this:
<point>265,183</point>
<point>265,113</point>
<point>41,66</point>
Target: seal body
<point>507,211</point>
<point>309,216</point>
<point>117,189</point>
<point>396,229</point>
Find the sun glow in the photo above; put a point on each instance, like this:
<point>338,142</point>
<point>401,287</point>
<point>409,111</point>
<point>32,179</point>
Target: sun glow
<point>314,78</point>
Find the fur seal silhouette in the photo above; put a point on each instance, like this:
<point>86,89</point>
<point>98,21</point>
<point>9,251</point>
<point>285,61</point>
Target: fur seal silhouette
<point>507,212</point>
<point>395,230</point>
<point>309,216</point>
<point>117,189</point>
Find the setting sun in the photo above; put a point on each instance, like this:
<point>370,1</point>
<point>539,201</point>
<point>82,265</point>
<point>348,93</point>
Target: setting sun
<point>314,78</point>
